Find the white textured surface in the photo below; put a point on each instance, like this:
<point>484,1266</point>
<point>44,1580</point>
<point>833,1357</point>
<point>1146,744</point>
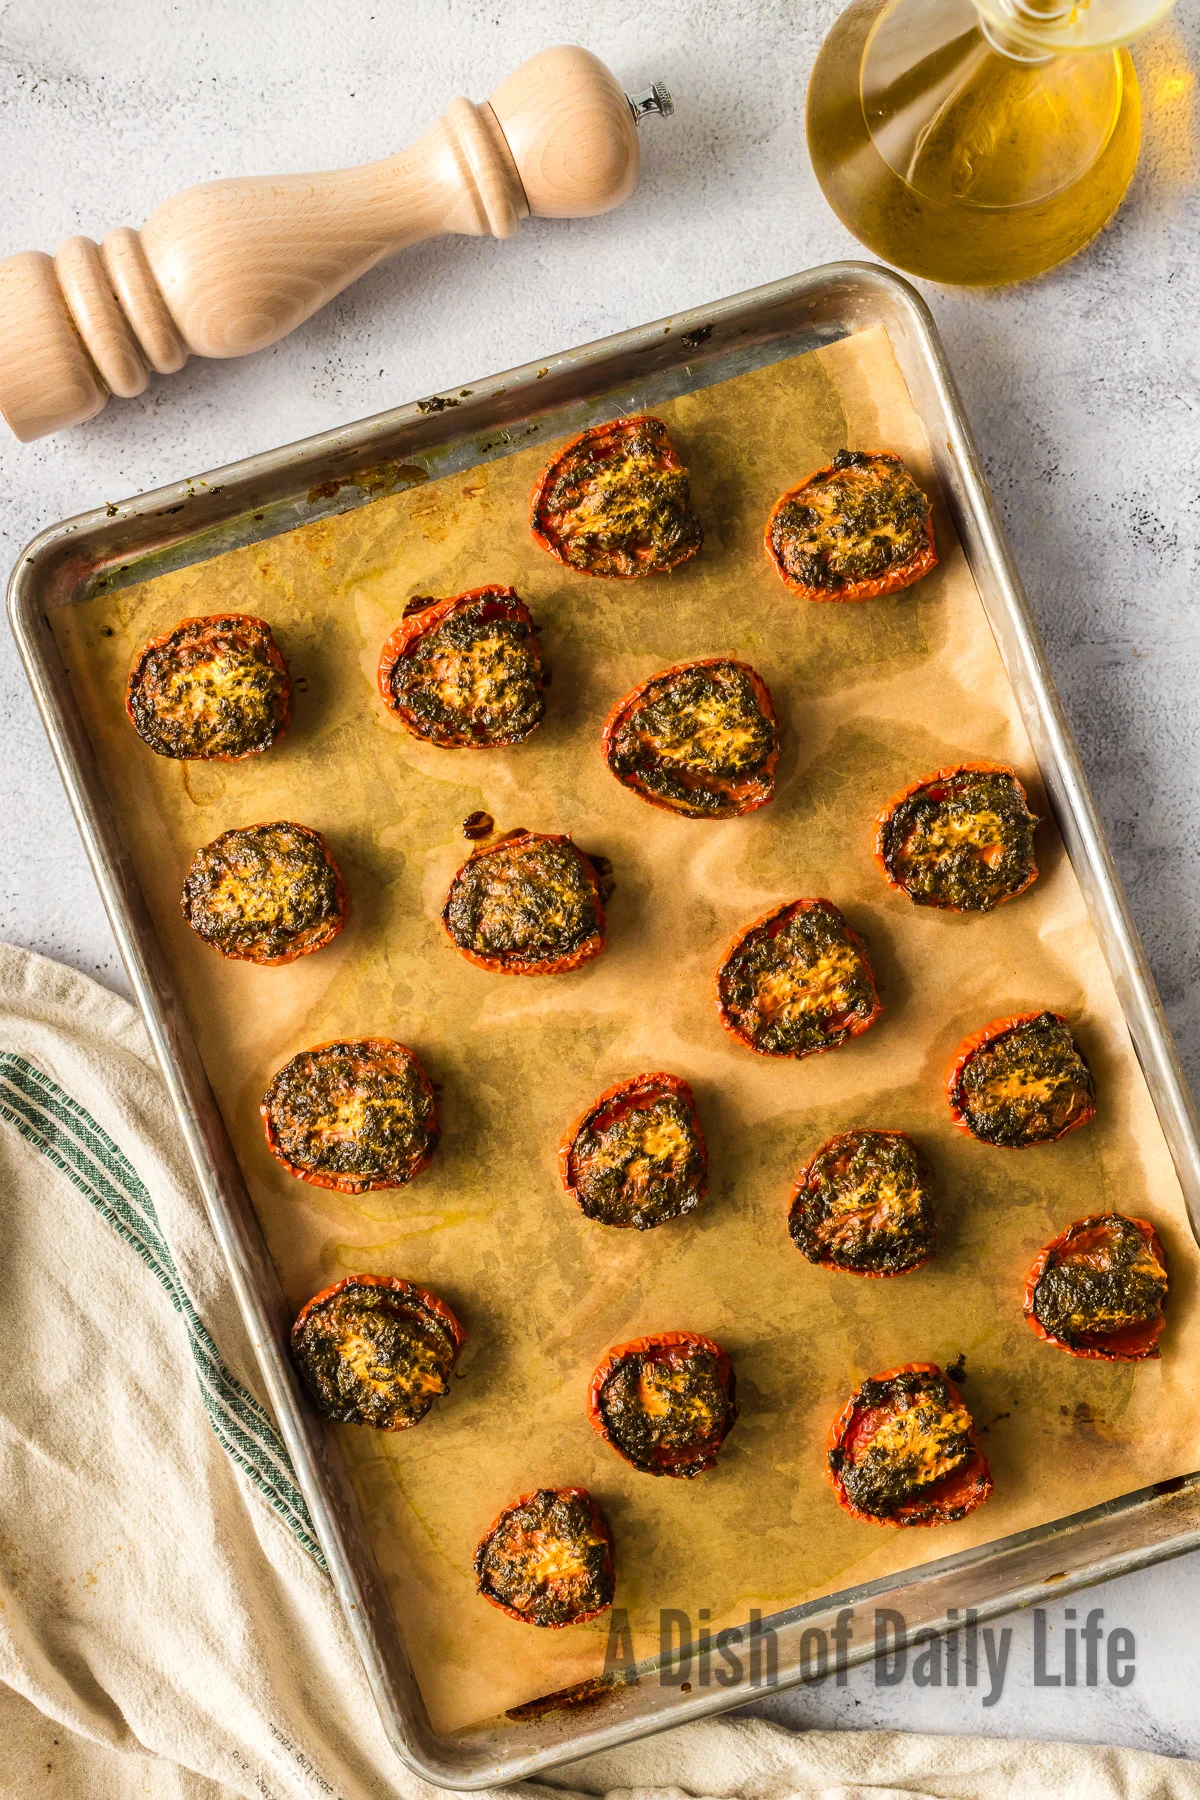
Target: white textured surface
<point>1082,389</point>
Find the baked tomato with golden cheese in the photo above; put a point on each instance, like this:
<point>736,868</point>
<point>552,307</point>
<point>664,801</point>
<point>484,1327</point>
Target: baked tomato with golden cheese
<point>352,1115</point>
<point>797,981</point>
<point>213,689</point>
<point>863,1204</point>
<point>376,1350</point>
<point>530,903</point>
<point>465,672</point>
<point>700,739</point>
<point>853,531</point>
<point>548,1559</point>
<point>1021,1080</point>
<point>616,502</point>
<point>265,893</point>
<point>960,839</point>
<point>637,1156</point>
<point>1097,1290</point>
<point>665,1403</point>
<point>904,1451</point>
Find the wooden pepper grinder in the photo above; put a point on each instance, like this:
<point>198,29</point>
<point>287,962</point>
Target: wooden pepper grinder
<point>232,266</point>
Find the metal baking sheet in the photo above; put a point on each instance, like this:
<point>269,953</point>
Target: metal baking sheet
<point>457,431</point>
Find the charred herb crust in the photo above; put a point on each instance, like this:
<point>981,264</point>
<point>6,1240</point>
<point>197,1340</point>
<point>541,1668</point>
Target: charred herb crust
<point>925,1436</point>
<point>863,1204</point>
<point>352,1115</point>
<point>667,1407</point>
<point>213,688</point>
<point>548,1559</point>
<point>637,1157</point>
<point>466,671</point>
<point>528,904</point>
<point>797,982</point>
<point>1028,1083</point>
<point>961,840</point>
<point>1102,1277</point>
<point>376,1352</point>
<point>265,893</point>
<point>616,502</point>
<point>861,521</point>
<point>700,739</point>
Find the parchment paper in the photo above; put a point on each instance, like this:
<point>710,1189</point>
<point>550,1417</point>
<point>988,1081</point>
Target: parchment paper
<point>870,697</point>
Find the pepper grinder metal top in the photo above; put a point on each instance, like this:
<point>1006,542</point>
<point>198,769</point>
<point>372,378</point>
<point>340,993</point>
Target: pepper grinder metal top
<point>229,267</point>
<point>654,99</point>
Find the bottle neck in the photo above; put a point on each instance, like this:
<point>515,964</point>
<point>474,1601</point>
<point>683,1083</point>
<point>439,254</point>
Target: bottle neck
<point>1031,30</point>
<point>1003,40</point>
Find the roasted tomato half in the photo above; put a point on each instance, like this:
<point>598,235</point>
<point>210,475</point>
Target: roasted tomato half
<point>1020,1081</point>
<point>637,1156</point>
<point>375,1350</point>
<point>548,1559</point>
<point>853,531</point>
<point>1098,1289</point>
<point>665,1403</point>
<point>904,1451</point>
<point>961,839</point>
<point>797,981</point>
<point>528,904</point>
<point>352,1115</point>
<point>700,739</point>
<point>265,893</point>
<point>465,671</point>
<point>863,1204</point>
<point>211,690</point>
<point>616,502</point>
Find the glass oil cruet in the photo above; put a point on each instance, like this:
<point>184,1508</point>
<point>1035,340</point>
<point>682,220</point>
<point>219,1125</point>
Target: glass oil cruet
<point>977,141</point>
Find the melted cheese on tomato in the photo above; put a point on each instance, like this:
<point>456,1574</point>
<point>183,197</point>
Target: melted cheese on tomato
<point>505,919</point>
<point>981,831</point>
<point>357,1116</point>
<point>881,1194</point>
<point>255,896</point>
<point>1016,1087</point>
<point>824,986</point>
<point>348,1118</point>
<point>665,1139</point>
<point>642,1151</point>
<point>530,900</point>
<point>711,730</point>
<point>921,1438</point>
<point>226,677</point>
<point>1100,1318</point>
<point>1146,1265</point>
<point>1145,1276</point>
<point>622,484</point>
<point>661,1391</point>
<point>828,500</point>
<point>362,1356</point>
<point>554,1559</point>
<point>474,679</point>
<point>662,1138</point>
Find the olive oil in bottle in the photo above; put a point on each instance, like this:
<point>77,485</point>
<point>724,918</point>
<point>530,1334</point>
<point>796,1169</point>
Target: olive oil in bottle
<point>961,155</point>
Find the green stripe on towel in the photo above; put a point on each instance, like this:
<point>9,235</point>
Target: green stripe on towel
<point>69,1138</point>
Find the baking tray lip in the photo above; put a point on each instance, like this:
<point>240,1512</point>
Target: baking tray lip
<point>343,439</point>
<point>63,556</point>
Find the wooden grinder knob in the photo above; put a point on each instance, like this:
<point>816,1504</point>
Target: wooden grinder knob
<point>232,266</point>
